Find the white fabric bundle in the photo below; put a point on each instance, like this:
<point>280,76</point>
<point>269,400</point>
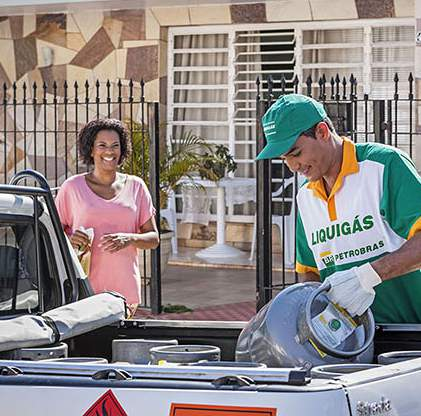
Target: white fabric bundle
<point>87,314</point>
<point>70,320</point>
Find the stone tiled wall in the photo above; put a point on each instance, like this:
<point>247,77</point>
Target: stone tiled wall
<point>125,44</point>
<point>283,11</point>
<point>73,47</point>
<point>83,46</point>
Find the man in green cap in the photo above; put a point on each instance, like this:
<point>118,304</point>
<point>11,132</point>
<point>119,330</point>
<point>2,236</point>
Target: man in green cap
<point>359,212</point>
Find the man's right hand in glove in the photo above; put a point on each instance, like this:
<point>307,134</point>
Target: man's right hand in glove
<point>353,289</point>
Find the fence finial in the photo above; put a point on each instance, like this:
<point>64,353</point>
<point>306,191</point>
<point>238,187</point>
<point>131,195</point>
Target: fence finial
<point>353,82</point>
<point>295,83</point>
<point>14,86</point>
<point>258,88</point>
<point>309,81</point>
<point>65,88</point>
<point>411,86</point>
<point>131,90</point>
<point>332,88</point>
<point>44,91</point>
<point>320,88</point>
<point>324,87</point>
<point>270,86</point>
<point>337,84</point>
<point>283,84</point>
<point>396,81</point>
<point>142,90</point>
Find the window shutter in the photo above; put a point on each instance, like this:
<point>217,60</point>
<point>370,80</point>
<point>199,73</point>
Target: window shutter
<point>258,54</point>
<point>198,81</point>
<point>330,52</point>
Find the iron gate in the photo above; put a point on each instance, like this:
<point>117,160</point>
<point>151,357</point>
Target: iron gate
<point>388,120</point>
<point>39,125</point>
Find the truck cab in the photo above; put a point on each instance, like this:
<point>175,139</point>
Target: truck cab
<point>40,270</point>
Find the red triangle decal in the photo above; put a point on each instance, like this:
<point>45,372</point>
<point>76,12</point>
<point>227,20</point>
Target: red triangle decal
<point>106,405</point>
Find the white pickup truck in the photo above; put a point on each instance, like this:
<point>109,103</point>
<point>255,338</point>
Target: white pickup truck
<point>41,280</point>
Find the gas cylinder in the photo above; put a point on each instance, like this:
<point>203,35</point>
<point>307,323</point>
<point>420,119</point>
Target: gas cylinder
<point>300,327</point>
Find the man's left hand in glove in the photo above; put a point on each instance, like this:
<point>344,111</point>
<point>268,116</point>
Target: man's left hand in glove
<point>353,289</point>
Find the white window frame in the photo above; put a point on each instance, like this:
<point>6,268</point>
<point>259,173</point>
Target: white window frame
<point>299,27</point>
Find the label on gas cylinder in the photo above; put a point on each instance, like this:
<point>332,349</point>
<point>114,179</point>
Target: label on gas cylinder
<point>333,326</point>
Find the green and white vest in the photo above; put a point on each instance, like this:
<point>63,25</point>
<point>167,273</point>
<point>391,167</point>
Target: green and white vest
<point>374,207</point>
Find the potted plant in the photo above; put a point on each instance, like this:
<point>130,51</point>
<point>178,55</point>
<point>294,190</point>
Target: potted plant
<point>182,158</point>
<point>217,164</point>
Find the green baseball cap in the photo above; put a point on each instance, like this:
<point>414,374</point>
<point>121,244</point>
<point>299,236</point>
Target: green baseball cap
<point>286,120</point>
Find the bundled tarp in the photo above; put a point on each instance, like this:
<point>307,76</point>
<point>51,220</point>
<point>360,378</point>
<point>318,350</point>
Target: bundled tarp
<point>62,323</point>
<point>25,331</point>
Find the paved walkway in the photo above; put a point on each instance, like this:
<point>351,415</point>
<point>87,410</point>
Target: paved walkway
<point>242,311</point>
<point>213,292</point>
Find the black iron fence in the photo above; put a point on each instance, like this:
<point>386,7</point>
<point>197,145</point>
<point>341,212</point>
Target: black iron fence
<point>39,125</point>
<point>386,116</point>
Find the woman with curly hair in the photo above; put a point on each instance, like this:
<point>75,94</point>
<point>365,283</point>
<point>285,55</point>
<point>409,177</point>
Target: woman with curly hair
<point>116,206</point>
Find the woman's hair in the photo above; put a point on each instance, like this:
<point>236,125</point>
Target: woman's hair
<point>89,132</point>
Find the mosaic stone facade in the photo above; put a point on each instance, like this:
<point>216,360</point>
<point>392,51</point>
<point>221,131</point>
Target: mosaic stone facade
<point>77,47</point>
<point>126,44</point>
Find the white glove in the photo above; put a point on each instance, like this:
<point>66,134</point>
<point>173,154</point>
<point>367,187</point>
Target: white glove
<point>353,289</point>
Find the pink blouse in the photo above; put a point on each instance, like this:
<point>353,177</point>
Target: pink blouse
<point>78,206</point>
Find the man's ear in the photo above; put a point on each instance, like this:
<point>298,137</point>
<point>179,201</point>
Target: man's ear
<point>322,131</point>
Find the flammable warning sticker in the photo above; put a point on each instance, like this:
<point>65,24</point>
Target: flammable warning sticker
<point>106,405</point>
<point>208,410</point>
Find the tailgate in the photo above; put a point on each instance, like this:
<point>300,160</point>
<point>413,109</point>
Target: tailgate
<point>74,395</point>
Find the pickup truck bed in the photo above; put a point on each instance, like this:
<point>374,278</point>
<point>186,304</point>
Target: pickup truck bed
<point>222,334</point>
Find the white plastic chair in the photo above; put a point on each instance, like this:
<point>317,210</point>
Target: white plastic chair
<point>289,221</point>
<point>170,215</point>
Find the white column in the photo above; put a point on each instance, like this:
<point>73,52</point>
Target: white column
<point>220,215</point>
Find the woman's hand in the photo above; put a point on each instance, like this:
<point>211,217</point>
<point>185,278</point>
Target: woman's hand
<point>80,241</point>
<point>115,242</point>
